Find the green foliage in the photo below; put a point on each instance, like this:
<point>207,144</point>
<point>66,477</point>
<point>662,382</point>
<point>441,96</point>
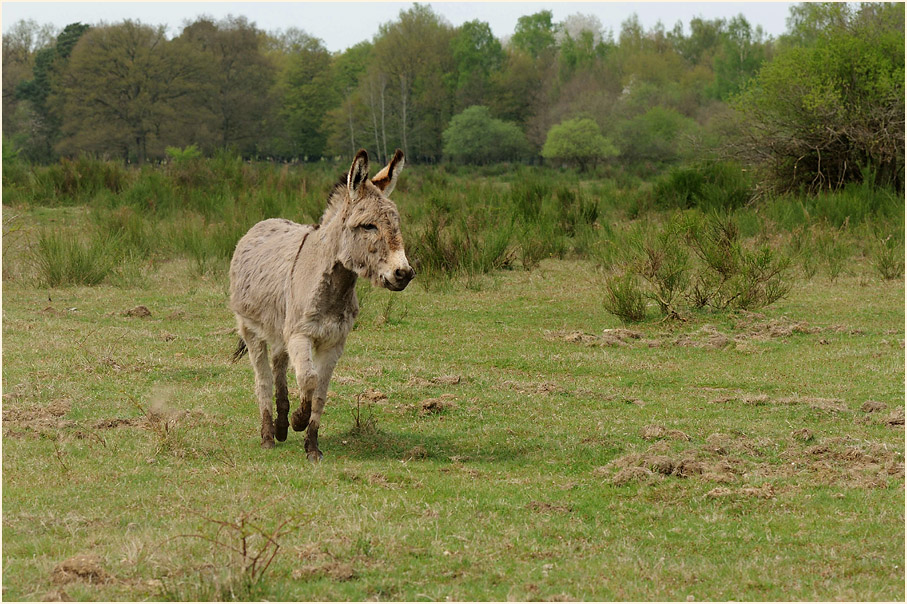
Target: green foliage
<point>63,259</point>
<point>697,261</point>
<point>625,299</point>
<point>658,135</point>
<point>534,34</point>
<point>474,137</point>
<point>708,186</point>
<point>183,156</point>
<point>578,141</point>
<point>845,112</point>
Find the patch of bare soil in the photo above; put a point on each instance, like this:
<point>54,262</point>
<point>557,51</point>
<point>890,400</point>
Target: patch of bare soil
<point>896,417</point>
<point>852,463</point>
<point>544,507</point>
<point>83,567</point>
<point>140,311</point>
<point>373,396</point>
<point>706,337</point>
<point>49,417</point>
<point>657,432</point>
<point>873,406</point>
<point>118,422</point>
<point>652,465</point>
<point>429,406</point>
<point>609,337</point>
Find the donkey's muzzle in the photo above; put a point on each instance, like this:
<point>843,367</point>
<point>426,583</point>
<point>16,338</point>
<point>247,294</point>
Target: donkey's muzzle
<point>401,278</point>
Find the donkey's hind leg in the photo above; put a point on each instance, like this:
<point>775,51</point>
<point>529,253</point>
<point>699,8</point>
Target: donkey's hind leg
<point>264,383</point>
<point>279,362</point>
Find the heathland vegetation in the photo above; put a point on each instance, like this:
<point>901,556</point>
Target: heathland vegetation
<point>657,325</point>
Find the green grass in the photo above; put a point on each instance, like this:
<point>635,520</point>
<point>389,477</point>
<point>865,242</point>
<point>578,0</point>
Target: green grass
<point>135,440</point>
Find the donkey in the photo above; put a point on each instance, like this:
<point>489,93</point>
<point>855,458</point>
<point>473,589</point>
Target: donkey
<point>293,291</point>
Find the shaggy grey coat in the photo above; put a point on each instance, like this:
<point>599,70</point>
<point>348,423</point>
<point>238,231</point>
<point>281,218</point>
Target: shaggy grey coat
<point>292,289</point>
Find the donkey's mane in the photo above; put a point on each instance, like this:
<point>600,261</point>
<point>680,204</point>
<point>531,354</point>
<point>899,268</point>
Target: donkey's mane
<point>335,199</point>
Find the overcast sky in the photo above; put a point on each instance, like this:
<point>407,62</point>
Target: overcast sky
<point>343,24</point>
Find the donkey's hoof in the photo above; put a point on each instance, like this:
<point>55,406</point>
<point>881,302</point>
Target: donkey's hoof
<point>280,428</point>
<point>315,456</point>
<point>267,443</point>
<point>300,420</point>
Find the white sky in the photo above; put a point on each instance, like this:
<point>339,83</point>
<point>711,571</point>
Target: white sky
<point>343,24</point>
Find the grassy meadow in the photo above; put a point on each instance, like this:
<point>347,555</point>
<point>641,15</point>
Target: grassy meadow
<point>491,433</point>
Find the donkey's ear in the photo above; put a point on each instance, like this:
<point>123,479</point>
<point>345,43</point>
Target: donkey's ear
<point>358,172</point>
<point>386,179</point>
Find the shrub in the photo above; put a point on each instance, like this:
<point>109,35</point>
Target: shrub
<point>62,259</point>
<point>625,299</point>
<point>578,141</point>
<point>710,186</point>
<point>474,137</point>
<point>654,136</point>
<point>819,111</point>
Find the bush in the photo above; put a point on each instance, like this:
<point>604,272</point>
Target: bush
<point>654,136</point>
<point>625,299</point>
<point>62,259</point>
<point>711,186</point>
<point>578,141</point>
<point>818,112</point>
<point>693,262</point>
<point>474,137</point>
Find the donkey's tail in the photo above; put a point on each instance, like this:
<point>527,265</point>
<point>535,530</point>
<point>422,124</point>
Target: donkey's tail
<point>240,350</point>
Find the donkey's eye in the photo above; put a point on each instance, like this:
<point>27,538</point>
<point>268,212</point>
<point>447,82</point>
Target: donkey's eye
<point>369,227</point>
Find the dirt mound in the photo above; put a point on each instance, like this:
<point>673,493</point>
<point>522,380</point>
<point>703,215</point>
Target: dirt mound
<point>83,567</point>
<point>140,311</point>
<point>896,417</point>
<point>373,396</point>
<point>657,432</point>
<point>873,406</point>
<point>49,417</point>
<point>441,380</point>
<point>706,337</point>
<point>443,403</point>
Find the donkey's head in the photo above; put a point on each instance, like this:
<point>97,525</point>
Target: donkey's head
<point>371,243</point>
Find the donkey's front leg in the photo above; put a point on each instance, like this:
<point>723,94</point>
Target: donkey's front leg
<point>324,362</point>
<point>299,348</point>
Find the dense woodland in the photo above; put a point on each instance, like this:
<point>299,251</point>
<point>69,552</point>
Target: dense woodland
<point>819,106</point>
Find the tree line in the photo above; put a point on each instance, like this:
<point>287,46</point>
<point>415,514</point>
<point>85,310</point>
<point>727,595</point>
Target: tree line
<point>824,101</point>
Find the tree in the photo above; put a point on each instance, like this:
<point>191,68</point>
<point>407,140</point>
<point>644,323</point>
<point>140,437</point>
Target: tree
<point>477,54</point>
<point>820,115</point>
<point>307,93</point>
<point>414,53</point>
<point>20,45</point>
<point>578,141</point>
<point>238,78</point>
<point>49,66</point>
<point>125,89</point>
<point>474,137</point>
<point>535,34</point>
<point>653,136</point>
